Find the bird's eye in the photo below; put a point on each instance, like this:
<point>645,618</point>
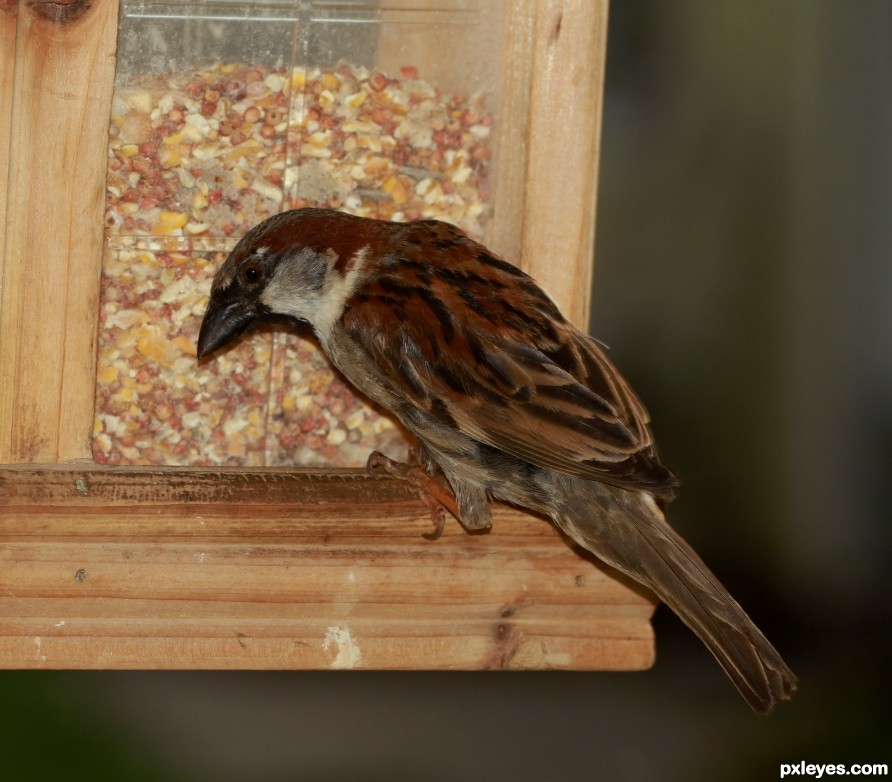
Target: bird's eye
<point>250,273</point>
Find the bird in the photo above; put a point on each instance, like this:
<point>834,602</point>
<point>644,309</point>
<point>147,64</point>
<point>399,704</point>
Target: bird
<point>507,399</point>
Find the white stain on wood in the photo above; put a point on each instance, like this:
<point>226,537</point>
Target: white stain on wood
<point>348,651</point>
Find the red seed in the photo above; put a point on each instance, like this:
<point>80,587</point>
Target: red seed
<point>140,164</point>
<point>378,81</point>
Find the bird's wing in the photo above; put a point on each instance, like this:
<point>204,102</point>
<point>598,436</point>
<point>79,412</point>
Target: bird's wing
<point>478,346</point>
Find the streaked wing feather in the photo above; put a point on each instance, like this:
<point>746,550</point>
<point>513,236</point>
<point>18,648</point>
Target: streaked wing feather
<point>511,372</point>
<point>564,426</point>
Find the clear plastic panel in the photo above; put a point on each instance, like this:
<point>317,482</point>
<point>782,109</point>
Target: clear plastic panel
<point>227,112</point>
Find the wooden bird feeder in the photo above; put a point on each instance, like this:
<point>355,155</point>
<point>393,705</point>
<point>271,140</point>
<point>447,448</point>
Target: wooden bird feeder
<point>155,513</point>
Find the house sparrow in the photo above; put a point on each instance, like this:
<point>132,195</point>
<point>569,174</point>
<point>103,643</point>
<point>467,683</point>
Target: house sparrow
<point>506,398</point>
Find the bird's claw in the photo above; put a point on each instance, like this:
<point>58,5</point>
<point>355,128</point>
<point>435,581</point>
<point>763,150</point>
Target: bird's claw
<point>438,516</point>
<point>434,493</point>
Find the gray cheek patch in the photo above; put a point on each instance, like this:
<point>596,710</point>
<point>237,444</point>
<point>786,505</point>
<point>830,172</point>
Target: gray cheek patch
<point>317,271</point>
<point>297,277</point>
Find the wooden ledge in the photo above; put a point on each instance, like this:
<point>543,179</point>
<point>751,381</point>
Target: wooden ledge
<point>187,568</point>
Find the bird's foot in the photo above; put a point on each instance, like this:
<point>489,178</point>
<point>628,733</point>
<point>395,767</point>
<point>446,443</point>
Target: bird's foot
<point>434,491</point>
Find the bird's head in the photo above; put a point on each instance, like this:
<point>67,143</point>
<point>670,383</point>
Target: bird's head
<point>299,266</point>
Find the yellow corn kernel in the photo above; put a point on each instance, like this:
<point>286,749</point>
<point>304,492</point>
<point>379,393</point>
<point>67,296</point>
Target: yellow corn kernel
<point>320,138</point>
<point>153,345</point>
<point>108,375</point>
<point>236,446</point>
<point>395,189</point>
<point>330,81</point>
<point>170,156</point>
<point>245,148</point>
<point>355,100</point>
<point>196,229</point>
<point>171,152</point>
<point>185,344</point>
<point>375,165</point>
<point>168,222</point>
<point>140,102</point>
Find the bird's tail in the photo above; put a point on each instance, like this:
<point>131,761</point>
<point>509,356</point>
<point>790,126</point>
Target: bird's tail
<point>627,530</point>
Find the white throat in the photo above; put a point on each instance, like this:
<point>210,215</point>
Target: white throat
<point>337,290</point>
<point>320,308</point>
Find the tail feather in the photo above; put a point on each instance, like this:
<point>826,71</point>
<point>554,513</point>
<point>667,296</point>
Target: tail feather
<point>628,531</point>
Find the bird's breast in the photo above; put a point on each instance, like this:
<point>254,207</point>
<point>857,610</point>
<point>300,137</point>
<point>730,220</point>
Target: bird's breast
<point>356,366</point>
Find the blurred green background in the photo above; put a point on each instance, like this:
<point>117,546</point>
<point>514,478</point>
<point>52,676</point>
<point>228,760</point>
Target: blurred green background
<point>744,283</point>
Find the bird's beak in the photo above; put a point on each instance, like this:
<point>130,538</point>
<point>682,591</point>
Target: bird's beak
<point>224,319</point>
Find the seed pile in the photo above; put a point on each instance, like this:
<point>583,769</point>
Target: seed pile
<point>197,158</point>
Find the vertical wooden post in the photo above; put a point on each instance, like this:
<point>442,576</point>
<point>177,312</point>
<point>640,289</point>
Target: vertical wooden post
<point>49,302</point>
<point>512,138</point>
<point>548,145</point>
<point>8,18</point>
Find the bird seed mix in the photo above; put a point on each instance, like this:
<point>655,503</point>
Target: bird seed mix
<point>196,159</point>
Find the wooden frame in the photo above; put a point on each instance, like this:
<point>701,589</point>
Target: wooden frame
<point>182,567</point>
<point>177,568</point>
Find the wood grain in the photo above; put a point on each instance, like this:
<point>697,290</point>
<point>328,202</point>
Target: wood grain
<point>512,139</point>
<point>566,98</point>
<point>8,17</point>
<point>49,301</point>
<point>177,568</point>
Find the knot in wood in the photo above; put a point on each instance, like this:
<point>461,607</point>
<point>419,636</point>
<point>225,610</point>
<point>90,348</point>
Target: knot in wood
<point>60,11</point>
